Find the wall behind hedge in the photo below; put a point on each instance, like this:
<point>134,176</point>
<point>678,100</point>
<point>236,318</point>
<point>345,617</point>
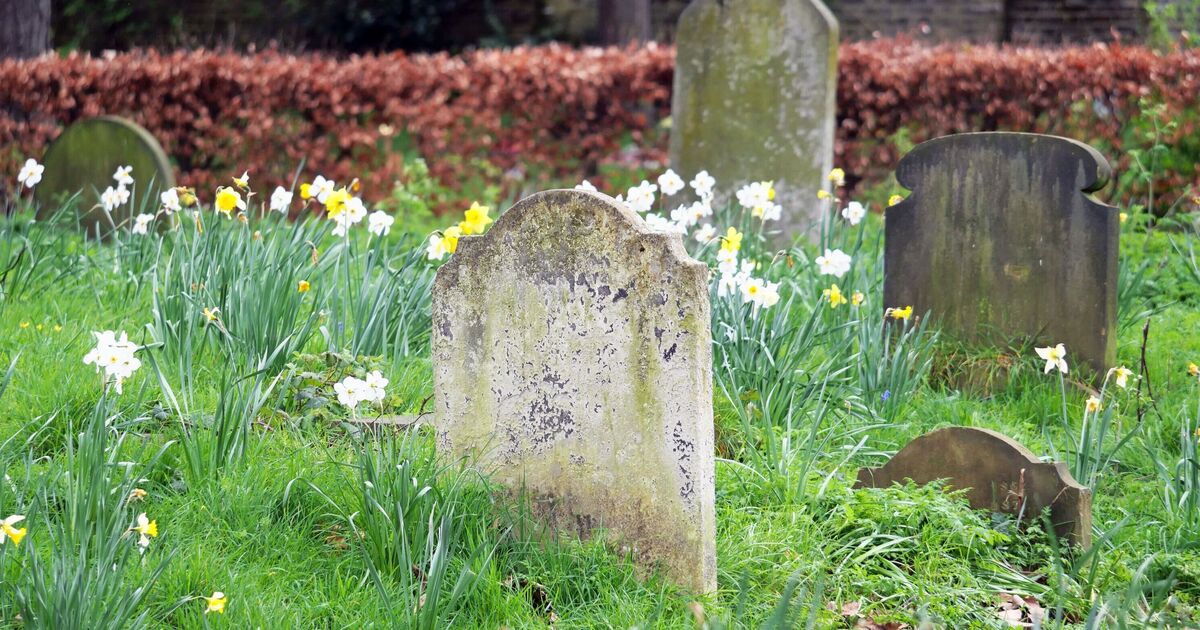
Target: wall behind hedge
<point>561,111</point>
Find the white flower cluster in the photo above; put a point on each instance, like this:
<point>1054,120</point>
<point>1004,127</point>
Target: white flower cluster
<point>354,213</point>
<point>113,198</point>
<point>352,391</point>
<point>759,199</point>
<point>736,278</point>
<point>115,356</point>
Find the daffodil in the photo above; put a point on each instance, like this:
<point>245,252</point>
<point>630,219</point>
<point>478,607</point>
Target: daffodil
<point>857,298</point>
<point>123,176</point>
<point>476,219</point>
<point>229,200</point>
<point>146,529</point>
<point>8,530</point>
<point>732,241</point>
<point>833,262</point>
<point>1123,216</point>
<point>1055,357</point>
<point>31,173</point>
<point>303,286</point>
<point>1121,376</point>
<point>187,196</point>
<point>703,184</point>
<point>170,200</point>
<point>838,177</point>
<point>834,295</point>
<point>899,313</point>
<point>242,182</point>
<point>670,183</point>
<point>1093,404</point>
<point>115,356</point>
<point>1193,370</point>
<point>137,494</point>
<point>336,201</point>
<point>281,198</point>
<point>211,314</point>
<point>585,185</point>
<point>823,194</point>
<point>451,235</point>
<point>380,223</point>
<point>894,199</point>
<point>215,603</point>
<point>854,212</point>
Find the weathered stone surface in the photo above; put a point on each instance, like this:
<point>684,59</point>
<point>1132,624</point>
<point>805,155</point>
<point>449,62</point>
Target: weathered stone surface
<point>1001,243</point>
<point>84,158</point>
<point>572,357</point>
<point>754,98</point>
<point>1001,475</point>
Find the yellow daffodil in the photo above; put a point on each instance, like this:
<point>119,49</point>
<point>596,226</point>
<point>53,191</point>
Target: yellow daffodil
<point>476,219</point>
<point>211,314</point>
<point>215,603</point>
<point>137,494</point>
<point>771,191</point>
<point>335,202</point>
<point>1093,404</point>
<point>1193,369</point>
<point>229,200</point>
<point>838,177</point>
<point>303,286</point>
<point>895,199</point>
<point>1123,216</point>
<point>242,182</point>
<point>23,325</point>
<point>8,530</point>
<point>450,238</point>
<point>306,191</point>
<point>857,298</point>
<point>732,241</point>
<point>1121,375</point>
<point>834,295</point>
<point>57,328</point>
<point>899,313</point>
<point>823,194</point>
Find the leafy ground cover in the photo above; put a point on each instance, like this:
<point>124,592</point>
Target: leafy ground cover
<point>226,483</point>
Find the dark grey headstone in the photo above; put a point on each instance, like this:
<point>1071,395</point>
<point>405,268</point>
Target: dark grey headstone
<point>997,473</point>
<point>1001,242</point>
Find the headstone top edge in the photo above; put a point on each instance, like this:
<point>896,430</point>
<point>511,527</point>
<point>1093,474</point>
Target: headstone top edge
<point>1098,173</point>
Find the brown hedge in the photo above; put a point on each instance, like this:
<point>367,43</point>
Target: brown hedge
<point>554,110</point>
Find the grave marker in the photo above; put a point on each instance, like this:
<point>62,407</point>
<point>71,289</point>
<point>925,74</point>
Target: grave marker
<point>754,99</point>
<point>1000,241</point>
<point>572,357</point>
<point>84,158</point>
<point>1002,476</point>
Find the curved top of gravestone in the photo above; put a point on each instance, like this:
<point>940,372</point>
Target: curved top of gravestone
<point>1090,169</point>
<point>84,157</point>
<point>564,211</point>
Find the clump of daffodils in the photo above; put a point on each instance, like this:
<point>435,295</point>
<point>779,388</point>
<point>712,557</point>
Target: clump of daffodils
<point>759,199</point>
<point>352,391</point>
<point>115,356</point>
<point>476,220</point>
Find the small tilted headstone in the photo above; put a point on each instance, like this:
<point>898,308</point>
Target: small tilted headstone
<point>1002,244</point>
<point>84,158</point>
<point>572,359</point>
<point>754,99</point>
<point>997,473</point>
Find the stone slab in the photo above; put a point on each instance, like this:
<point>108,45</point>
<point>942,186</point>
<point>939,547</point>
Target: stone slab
<point>998,473</point>
<point>572,361</point>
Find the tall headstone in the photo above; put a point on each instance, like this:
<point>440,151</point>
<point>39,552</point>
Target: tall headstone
<point>84,157</point>
<point>572,359</point>
<point>997,473</point>
<point>1001,242</point>
<point>755,97</point>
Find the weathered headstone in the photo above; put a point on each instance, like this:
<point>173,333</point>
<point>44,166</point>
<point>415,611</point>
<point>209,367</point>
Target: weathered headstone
<point>997,473</point>
<point>84,158</point>
<point>754,99</point>
<point>572,358</point>
<point>1001,243</point>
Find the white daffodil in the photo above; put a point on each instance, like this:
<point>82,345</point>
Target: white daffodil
<point>123,176</point>
<point>752,290</point>
<point>585,185</point>
<point>115,356</point>
<point>663,224</point>
<point>833,263</point>
<point>113,198</point>
<point>436,249</point>
<point>170,200</point>
<point>854,212</point>
<point>141,223</point>
<point>670,183</point>
<point>1055,357</point>
<point>703,184</point>
<point>380,223</point>
<point>31,173</point>
<point>768,211</point>
<point>641,197</point>
<point>754,194</point>
<point>705,234</point>
<point>727,285</point>
<point>281,199</point>
<point>1121,376</point>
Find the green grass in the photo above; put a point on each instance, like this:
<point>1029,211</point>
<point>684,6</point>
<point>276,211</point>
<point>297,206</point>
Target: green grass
<point>268,500</point>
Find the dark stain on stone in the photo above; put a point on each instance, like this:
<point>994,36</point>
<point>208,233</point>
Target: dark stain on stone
<point>670,352</point>
<point>548,423</point>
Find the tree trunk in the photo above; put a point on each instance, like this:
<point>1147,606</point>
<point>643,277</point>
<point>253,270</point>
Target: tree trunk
<point>624,21</point>
<point>24,28</point>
